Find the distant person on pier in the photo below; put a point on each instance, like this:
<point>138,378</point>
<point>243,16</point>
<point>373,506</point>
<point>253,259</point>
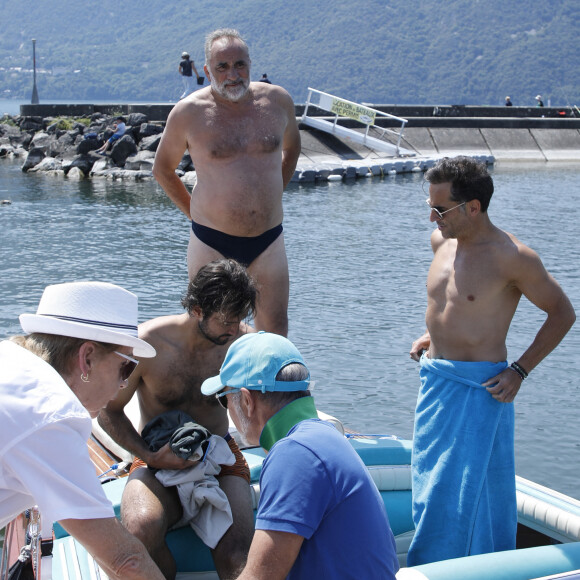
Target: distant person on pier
<point>244,143</point>
<point>119,129</point>
<point>508,102</point>
<point>265,79</point>
<point>186,70</point>
<point>540,102</point>
<point>463,444</point>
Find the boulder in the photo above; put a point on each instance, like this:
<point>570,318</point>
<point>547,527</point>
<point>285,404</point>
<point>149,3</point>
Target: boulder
<point>143,175</point>
<point>83,162</point>
<point>142,156</point>
<point>189,178</point>
<point>150,143</point>
<point>31,124</point>
<point>148,129</point>
<point>122,148</point>
<point>76,173</point>
<point>61,145</point>
<point>86,145</point>
<point>41,140</point>
<point>9,130</point>
<point>19,151</point>
<point>186,164</point>
<point>23,140</point>
<point>6,150</point>
<point>141,161</point>
<point>47,164</point>
<point>136,119</point>
<point>51,129</point>
<point>100,165</point>
<point>34,157</point>
<point>133,132</point>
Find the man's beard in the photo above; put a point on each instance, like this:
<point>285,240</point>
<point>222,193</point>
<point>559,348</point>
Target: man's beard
<point>220,339</point>
<point>230,91</point>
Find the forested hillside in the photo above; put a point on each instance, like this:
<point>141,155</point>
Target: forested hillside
<point>392,52</point>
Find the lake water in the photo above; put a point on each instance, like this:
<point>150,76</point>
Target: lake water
<point>358,253</point>
<point>11,106</point>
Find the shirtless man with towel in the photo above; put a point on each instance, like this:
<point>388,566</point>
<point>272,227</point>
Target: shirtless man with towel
<point>463,450</point>
<point>244,143</point>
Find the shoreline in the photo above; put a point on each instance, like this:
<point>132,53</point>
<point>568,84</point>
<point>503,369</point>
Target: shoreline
<point>549,134</point>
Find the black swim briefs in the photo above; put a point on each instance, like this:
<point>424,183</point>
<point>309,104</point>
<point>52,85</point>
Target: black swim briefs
<point>242,249</point>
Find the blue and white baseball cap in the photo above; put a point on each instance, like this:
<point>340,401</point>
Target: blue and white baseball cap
<point>253,361</point>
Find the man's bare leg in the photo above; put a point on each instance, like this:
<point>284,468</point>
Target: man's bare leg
<point>148,510</point>
<point>270,270</point>
<point>231,553</point>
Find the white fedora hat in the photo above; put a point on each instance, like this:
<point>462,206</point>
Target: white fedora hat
<point>91,310</point>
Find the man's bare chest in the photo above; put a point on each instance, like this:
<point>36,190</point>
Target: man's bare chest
<point>177,383</point>
<point>469,279</point>
<point>226,137</point>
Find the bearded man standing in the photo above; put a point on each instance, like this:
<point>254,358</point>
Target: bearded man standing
<point>244,144</point>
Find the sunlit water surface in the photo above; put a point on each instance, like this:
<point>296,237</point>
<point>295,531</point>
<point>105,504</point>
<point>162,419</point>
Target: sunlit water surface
<point>359,254</point>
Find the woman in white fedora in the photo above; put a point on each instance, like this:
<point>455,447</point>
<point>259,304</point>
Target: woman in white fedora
<point>77,352</point>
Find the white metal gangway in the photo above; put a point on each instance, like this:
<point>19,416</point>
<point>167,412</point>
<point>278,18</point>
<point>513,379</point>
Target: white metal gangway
<point>361,113</point>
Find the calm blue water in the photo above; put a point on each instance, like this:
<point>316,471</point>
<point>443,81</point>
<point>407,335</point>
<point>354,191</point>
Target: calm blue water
<point>358,254</point>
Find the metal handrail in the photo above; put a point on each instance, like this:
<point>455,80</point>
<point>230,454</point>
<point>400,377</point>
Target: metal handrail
<point>360,107</point>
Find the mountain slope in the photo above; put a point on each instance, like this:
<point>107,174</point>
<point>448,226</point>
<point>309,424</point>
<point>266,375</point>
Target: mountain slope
<point>457,52</point>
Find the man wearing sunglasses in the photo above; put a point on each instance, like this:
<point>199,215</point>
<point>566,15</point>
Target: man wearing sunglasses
<point>190,348</point>
<point>463,444</point>
<point>320,514</point>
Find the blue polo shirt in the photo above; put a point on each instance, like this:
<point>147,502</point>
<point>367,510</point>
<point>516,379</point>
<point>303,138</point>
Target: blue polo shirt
<point>314,484</point>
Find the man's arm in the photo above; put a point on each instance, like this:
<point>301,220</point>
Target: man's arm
<point>542,290</point>
<point>272,555</point>
<point>120,554</point>
<point>424,342</point>
<point>171,148</point>
<point>291,145</point>
<point>115,422</point>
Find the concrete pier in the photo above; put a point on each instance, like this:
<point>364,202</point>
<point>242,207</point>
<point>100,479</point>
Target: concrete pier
<point>547,134</point>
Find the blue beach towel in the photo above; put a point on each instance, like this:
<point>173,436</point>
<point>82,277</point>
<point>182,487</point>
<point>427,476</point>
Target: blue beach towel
<point>464,496</point>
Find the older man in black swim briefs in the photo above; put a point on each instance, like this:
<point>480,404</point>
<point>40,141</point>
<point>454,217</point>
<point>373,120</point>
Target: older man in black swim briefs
<point>244,143</point>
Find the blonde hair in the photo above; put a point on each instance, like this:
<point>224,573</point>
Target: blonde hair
<point>58,351</point>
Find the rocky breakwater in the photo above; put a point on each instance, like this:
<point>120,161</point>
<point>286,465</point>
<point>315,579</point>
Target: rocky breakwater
<point>67,146</point>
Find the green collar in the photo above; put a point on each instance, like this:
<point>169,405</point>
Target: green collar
<point>279,424</point>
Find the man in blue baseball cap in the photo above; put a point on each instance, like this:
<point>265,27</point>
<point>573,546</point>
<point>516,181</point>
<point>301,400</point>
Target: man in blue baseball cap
<point>320,514</point>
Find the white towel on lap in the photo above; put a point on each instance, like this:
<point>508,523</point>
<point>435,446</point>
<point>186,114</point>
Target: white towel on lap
<point>205,506</point>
